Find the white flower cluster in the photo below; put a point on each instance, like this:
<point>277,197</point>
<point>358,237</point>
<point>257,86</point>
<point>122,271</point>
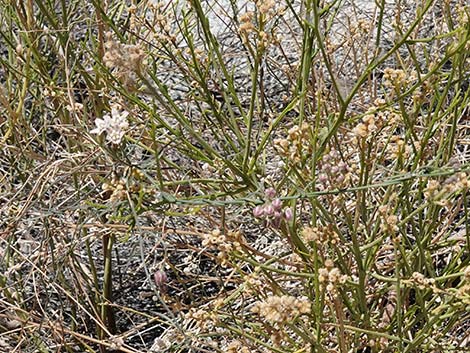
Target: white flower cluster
<point>115,125</point>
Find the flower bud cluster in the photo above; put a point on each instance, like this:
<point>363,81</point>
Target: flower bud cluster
<point>280,310</point>
<point>330,277</point>
<point>296,145</point>
<point>226,244</point>
<point>333,173</point>
<point>272,210</point>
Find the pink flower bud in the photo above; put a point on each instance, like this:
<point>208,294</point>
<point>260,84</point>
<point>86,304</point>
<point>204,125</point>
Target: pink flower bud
<point>326,168</point>
<point>277,215</point>
<point>288,215</point>
<point>258,211</point>
<point>277,204</point>
<point>269,210</point>
<point>270,193</point>
<point>161,280</point>
<point>323,178</point>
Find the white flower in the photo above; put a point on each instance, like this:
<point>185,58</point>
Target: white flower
<point>102,125</point>
<point>115,125</point>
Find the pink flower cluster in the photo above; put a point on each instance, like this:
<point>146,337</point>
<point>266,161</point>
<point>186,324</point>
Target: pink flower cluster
<point>272,210</point>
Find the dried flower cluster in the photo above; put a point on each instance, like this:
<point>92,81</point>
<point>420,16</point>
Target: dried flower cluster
<point>160,21</point>
<point>463,293</point>
<point>297,145</point>
<point>421,281</point>
<point>272,210</point>
<point>397,78</point>
<point>397,148</point>
<point>438,192</point>
<point>246,23</point>
<point>367,127</point>
<point>118,189</point>
<point>253,283</point>
<point>237,347</point>
<point>266,7</point>
<point>280,310</point>
<point>225,243</point>
<point>203,318</point>
<point>125,59</point>
<point>360,29</point>
<point>463,15</point>
<point>320,235</point>
<point>389,222</point>
<point>330,277</point>
<point>254,29</point>
<point>115,125</point>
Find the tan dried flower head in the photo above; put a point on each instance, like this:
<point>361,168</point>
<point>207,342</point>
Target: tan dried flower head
<point>266,7</point>
<point>421,281</point>
<point>226,244</point>
<point>389,222</point>
<point>279,310</point>
<point>360,29</point>
<point>397,78</point>
<point>330,277</point>
<point>296,145</point>
<point>125,59</point>
<point>237,347</point>
<point>202,317</point>
<point>466,274</point>
<point>320,235</point>
<point>115,189</point>
<point>463,15</point>
<point>432,189</point>
<point>397,148</point>
<point>253,283</point>
<point>367,127</point>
